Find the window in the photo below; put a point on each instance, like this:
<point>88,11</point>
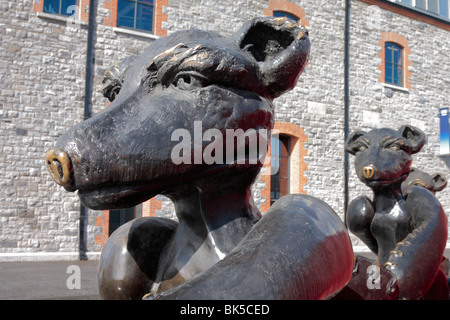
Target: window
<point>121,216</point>
<point>63,7</point>
<point>393,64</point>
<point>285,14</point>
<point>285,172</point>
<point>135,14</point>
<point>280,162</point>
<point>435,7</point>
<point>285,8</point>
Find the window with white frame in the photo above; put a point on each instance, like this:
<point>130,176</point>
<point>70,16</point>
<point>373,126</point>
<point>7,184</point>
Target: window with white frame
<point>439,8</point>
<point>135,14</point>
<point>62,7</point>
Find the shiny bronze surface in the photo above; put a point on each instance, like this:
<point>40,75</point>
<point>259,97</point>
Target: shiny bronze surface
<point>221,247</point>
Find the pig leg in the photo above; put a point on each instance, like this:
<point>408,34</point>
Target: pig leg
<point>130,258</point>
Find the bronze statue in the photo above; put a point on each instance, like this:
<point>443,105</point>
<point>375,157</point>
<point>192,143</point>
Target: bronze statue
<point>221,247</point>
<point>435,183</point>
<point>406,230</point>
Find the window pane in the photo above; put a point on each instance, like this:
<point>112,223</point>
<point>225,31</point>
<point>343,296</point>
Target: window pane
<point>146,1</point>
<point>279,178</point>
<point>144,17</point>
<point>397,55</point>
<point>119,217</point>
<point>388,73</point>
<point>421,4</point>
<point>125,14</point>
<point>407,2</point>
<point>51,6</point>
<point>388,51</point>
<point>443,8</point>
<point>128,214</point>
<point>278,14</point>
<point>68,7</point>
<point>433,6</point>
<point>274,155</point>
<point>398,75</point>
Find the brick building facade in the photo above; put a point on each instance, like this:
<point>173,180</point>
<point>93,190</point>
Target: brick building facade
<point>345,87</point>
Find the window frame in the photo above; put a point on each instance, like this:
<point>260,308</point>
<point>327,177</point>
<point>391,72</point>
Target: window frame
<point>406,72</point>
<point>396,67</point>
<point>427,10</point>
<point>281,13</point>
<point>60,8</point>
<point>278,158</point>
<point>136,2</point>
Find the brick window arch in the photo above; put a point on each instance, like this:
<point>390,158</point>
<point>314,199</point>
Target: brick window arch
<point>289,7</point>
<point>399,42</point>
<point>297,166</point>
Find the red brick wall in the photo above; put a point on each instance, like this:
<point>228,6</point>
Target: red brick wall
<point>149,207</point>
<point>102,222</point>
<point>111,5</point>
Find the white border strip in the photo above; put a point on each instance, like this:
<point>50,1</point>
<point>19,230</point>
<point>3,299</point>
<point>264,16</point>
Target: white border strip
<point>46,256</point>
<point>73,256</point>
<point>135,33</point>
<point>57,17</point>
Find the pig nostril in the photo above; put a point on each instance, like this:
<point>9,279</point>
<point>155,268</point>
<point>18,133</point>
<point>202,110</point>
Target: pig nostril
<point>368,171</point>
<point>59,167</point>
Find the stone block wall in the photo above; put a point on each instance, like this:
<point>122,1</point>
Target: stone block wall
<point>42,83</point>
<point>42,68</point>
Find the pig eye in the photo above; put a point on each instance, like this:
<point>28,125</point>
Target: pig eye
<point>362,148</point>
<point>189,81</point>
<point>359,147</point>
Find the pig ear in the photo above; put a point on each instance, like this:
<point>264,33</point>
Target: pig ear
<point>350,145</point>
<point>113,78</point>
<point>415,136</point>
<point>439,182</point>
<point>280,46</point>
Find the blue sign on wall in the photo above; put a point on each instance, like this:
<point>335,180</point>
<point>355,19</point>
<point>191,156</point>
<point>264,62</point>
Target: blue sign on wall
<point>445,141</point>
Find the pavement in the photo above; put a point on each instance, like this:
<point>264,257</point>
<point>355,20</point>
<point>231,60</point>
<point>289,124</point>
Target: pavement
<point>50,280</point>
<point>56,280</point>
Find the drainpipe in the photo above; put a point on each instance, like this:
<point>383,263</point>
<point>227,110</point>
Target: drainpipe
<point>90,64</point>
<point>346,99</point>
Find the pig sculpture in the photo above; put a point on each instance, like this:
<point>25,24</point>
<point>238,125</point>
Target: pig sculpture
<point>406,230</point>
<point>221,247</point>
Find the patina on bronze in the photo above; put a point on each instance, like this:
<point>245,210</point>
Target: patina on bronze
<point>406,230</point>
<point>221,247</point>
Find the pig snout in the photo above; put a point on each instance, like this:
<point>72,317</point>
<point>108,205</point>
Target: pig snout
<point>60,168</point>
<point>368,172</point>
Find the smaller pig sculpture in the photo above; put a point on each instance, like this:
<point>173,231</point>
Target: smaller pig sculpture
<point>407,232</point>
